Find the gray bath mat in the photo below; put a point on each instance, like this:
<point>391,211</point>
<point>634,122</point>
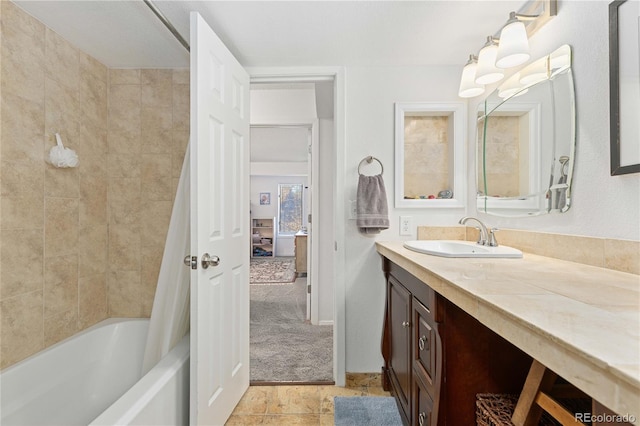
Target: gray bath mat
<point>366,411</point>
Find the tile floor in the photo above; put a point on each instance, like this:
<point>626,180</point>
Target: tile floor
<point>301,404</point>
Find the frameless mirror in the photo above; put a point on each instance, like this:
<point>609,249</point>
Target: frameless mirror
<point>526,140</point>
<point>429,160</point>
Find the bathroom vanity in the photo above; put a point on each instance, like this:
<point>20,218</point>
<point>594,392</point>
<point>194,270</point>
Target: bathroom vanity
<point>455,327</point>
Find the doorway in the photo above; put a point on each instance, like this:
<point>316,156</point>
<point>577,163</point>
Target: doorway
<point>290,326</point>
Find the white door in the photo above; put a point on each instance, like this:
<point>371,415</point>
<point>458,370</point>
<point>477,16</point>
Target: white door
<point>219,227</point>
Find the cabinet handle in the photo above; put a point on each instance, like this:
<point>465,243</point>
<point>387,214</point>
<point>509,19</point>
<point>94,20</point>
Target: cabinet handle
<point>406,324</point>
<point>421,418</point>
<point>422,342</point>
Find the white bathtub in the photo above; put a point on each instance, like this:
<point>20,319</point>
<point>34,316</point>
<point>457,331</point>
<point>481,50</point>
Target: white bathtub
<point>94,378</point>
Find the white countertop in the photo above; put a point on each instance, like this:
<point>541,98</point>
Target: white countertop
<point>580,321</point>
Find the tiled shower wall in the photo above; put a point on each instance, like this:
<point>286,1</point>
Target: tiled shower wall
<point>83,244</point>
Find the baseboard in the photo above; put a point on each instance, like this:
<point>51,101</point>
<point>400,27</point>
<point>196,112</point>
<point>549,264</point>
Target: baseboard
<point>325,322</point>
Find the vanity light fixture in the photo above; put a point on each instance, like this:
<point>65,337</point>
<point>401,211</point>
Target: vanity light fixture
<point>487,71</point>
<point>468,86</point>
<point>508,48</point>
<point>513,49</point>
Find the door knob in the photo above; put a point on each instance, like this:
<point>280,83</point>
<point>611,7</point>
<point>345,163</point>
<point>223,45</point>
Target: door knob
<point>406,324</point>
<point>191,261</point>
<point>208,260</point>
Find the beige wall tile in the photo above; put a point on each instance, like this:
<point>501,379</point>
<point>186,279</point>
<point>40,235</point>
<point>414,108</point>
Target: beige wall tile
<point>60,326</point>
<point>62,60</point>
<point>124,247</point>
<point>123,166</point>
<point>93,141</point>
<point>22,129</point>
<point>156,76</point>
<point>157,95</point>
<point>124,294</point>
<point>93,251</point>
<point>22,212</point>
<point>441,232</point>
<point>124,142</point>
<point>23,54</point>
<point>181,76</point>
<point>62,112</point>
<point>124,76</point>
<point>92,300</point>
<point>61,226</point>
<point>124,108</point>
<point>22,327</point>
<point>93,192</point>
<point>586,250</point>
<point>622,255</point>
<point>156,177</point>
<point>154,227</point>
<point>91,66</point>
<point>61,182</point>
<point>21,178</point>
<point>93,98</point>
<point>124,201</point>
<point>181,106</point>
<point>60,284</point>
<point>18,247</point>
<point>180,146</point>
<point>156,126</point>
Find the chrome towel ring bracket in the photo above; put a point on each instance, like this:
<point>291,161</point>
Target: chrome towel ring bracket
<point>369,160</point>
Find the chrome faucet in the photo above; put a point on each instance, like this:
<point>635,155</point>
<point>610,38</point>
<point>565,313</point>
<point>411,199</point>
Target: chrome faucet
<point>483,240</point>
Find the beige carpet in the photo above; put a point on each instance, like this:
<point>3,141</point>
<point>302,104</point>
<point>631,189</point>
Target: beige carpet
<point>283,346</point>
<point>275,270</point>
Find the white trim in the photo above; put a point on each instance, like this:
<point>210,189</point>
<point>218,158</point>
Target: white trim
<point>325,322</point>
<point>317,74</point>
<point>457,169</point>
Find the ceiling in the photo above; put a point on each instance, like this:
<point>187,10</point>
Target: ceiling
<point>126,34</point>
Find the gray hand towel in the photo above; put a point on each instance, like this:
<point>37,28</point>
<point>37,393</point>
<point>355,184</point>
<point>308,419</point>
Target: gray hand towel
<point>372,211</point>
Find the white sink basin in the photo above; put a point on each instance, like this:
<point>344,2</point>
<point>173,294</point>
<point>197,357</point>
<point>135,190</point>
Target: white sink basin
<point>458,248</point>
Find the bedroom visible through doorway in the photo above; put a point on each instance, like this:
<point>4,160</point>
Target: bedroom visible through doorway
<point>284,344</point>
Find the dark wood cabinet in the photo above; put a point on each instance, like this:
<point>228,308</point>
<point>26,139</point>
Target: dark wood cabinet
<point>438,357</point>
<point>399,334</point>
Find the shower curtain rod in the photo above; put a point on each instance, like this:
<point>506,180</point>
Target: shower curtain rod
<point>168,24</point>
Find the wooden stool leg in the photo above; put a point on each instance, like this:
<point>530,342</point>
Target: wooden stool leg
<point>527,411</point>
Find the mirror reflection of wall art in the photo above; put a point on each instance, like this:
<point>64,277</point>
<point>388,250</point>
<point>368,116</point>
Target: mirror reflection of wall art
<point>624,85</point>
<point>265,198</point>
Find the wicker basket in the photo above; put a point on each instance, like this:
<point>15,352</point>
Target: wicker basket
<point>496,409</point>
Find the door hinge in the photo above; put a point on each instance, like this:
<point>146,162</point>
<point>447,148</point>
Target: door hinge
<point>309,218</point>
<point>309,289</point>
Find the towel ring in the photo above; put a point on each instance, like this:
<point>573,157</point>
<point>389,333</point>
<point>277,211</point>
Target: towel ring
<point>369,160</point>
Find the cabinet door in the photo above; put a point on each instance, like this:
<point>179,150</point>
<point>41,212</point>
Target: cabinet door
<point>400,335</point>
<point>424,344</point>
<point>422,404</point>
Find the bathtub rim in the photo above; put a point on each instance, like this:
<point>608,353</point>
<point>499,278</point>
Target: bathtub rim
<point>125,408</point>
<point>104,323</point>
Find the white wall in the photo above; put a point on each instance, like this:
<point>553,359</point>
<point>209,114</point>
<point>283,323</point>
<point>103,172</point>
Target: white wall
<point>603,206</point>
<point>326,222</point>
<point>370,97</point>
<point>284,244</point>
